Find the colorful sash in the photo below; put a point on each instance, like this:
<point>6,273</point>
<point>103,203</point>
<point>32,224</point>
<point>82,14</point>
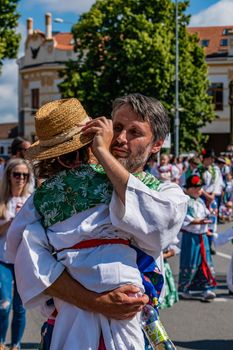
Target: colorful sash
<point>75,190</point>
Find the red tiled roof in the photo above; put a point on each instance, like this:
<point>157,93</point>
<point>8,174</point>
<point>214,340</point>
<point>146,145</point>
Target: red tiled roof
<point>5,129</point>
<point>214,35</point>
<point>64,41</point>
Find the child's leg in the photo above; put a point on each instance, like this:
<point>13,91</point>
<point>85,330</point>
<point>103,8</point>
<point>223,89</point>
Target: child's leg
<point>75,328</point>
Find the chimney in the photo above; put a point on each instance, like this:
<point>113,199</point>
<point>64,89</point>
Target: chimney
<point>48,26</point>
<point>29,26</point>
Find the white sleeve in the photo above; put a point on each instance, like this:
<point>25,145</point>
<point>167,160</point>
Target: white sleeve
<point>153,218</point>
<point>35,266</point>
<point>26,216</point>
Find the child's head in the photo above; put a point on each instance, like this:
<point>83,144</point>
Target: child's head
<point>228,176</point>
<point>229,204</point>
<point>58,129</point>
<point>193,186</point>
<point>164,159</point>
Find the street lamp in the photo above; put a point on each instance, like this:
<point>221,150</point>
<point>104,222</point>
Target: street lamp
<point>177,118</point>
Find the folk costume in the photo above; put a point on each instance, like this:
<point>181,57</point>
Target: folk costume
<point>100,268</point>
<point>196,268</point>
<point>90,232</point>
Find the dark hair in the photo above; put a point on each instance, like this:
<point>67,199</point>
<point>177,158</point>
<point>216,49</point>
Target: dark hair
<point>148,109</point>
<point>16,144</point>
<point>49,167</point>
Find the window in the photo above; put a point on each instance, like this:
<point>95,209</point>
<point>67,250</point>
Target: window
<point>205,43</point>
<point>35,94</point>
<point>216,91</point>
<point>223,42</point>
<point>227,31</point>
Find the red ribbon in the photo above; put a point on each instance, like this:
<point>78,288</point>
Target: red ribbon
<point>205,268</point>
<point>96,242</point>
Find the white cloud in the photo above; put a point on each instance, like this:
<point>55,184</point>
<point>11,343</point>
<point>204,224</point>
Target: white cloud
<point>9,92</point>
<point>216,15</point>
<point>75,6</point>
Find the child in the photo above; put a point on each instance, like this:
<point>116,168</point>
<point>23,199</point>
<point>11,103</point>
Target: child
<point>196,269</point>
<point>171,294</point>
<point>225,211</point>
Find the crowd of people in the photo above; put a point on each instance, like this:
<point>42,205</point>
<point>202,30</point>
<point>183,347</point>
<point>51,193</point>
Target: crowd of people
<point>97,215</point>
<point>207,180</point>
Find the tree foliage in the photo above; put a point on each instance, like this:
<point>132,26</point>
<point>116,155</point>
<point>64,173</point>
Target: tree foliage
<point>9,39</point>
<point>126,46</point>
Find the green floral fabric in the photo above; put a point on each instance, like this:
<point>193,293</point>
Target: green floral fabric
<point>75,190</point>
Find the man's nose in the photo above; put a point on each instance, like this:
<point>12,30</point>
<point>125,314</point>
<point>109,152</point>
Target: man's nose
<point>122,137</point>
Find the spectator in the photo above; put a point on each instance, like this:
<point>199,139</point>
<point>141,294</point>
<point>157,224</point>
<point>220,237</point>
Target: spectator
<point>13,194</point>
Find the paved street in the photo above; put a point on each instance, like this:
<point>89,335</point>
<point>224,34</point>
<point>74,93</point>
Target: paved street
<point>199,325</point>
<point>191,324</point>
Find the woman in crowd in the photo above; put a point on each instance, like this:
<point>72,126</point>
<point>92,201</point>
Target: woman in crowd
<point>13,193</point>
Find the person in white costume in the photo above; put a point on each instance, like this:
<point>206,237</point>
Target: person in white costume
<point>149,218</point>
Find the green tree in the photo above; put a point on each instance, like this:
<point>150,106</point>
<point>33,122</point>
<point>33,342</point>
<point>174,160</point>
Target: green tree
<point>126,46</point>
<point>9,39</point>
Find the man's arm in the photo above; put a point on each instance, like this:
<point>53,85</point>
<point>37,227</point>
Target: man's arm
<point>43,275</point>
<point>117,174</point>
<point>115,304</point>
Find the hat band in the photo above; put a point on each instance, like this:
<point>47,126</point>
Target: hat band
<point>66,136</point>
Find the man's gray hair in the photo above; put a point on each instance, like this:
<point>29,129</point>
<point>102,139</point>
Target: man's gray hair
<point>148,109</point>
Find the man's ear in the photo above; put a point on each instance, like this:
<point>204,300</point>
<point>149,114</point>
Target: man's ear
<point>157,146</point>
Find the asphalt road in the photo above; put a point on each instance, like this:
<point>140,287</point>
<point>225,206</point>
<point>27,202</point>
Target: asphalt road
<point>198,325</point>
<point>192,324</point>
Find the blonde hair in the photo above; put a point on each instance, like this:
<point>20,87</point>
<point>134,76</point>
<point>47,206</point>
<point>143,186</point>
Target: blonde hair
<point>5,186</point>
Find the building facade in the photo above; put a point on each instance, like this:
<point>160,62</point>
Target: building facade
<point>45,56</point>
<point>218,46</point>
<point>8,131</point>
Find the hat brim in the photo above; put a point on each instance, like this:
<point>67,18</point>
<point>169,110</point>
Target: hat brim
<point>195,186</point>
<point>38,152</point>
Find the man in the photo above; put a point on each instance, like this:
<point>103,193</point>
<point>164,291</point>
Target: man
<point>121,146</point>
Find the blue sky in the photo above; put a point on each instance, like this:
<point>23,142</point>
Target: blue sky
<point>204,13</point>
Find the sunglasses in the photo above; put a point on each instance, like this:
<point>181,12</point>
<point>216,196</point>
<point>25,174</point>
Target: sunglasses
<point>18,175</point>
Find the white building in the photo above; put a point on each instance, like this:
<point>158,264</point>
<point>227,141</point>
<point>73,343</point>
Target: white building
<point>45,55</point>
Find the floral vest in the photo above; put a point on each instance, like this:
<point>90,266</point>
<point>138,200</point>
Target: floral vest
<point>75,190</point>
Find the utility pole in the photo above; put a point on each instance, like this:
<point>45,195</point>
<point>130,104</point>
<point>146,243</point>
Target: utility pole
<point>177,119</point>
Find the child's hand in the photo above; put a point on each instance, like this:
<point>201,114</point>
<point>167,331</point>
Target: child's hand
<point>205,221</point>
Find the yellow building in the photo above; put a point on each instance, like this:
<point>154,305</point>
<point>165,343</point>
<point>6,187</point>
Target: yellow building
<point>45,55</point>
<point>218,46</point>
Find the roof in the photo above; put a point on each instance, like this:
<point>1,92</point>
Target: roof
<point>214,35</point>
<point>5,129</point>
<point>64,41</point>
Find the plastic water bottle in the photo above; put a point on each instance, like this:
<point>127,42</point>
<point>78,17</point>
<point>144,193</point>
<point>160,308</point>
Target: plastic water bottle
<point>154,330</point>
<point>213,216</point>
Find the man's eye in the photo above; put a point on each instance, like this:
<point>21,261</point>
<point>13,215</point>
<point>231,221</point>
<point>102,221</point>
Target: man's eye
<point>135,132</point>
<point>117,128</point>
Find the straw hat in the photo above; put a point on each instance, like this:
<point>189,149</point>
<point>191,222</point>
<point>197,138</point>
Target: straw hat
<point>57,131</point>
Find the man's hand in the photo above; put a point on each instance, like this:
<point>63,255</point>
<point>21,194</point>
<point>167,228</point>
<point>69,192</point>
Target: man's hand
<point>103,134</point>
<point>117,304</point>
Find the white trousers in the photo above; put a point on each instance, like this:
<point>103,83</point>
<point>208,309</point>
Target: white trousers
<point>77,329</point>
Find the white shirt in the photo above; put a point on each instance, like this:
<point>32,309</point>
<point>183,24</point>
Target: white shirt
<point>10,214</point>
<point>151,219</point>
<point>196,210</point>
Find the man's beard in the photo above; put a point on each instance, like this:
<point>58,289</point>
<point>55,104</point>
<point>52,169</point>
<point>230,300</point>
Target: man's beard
<point>134,163</point>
